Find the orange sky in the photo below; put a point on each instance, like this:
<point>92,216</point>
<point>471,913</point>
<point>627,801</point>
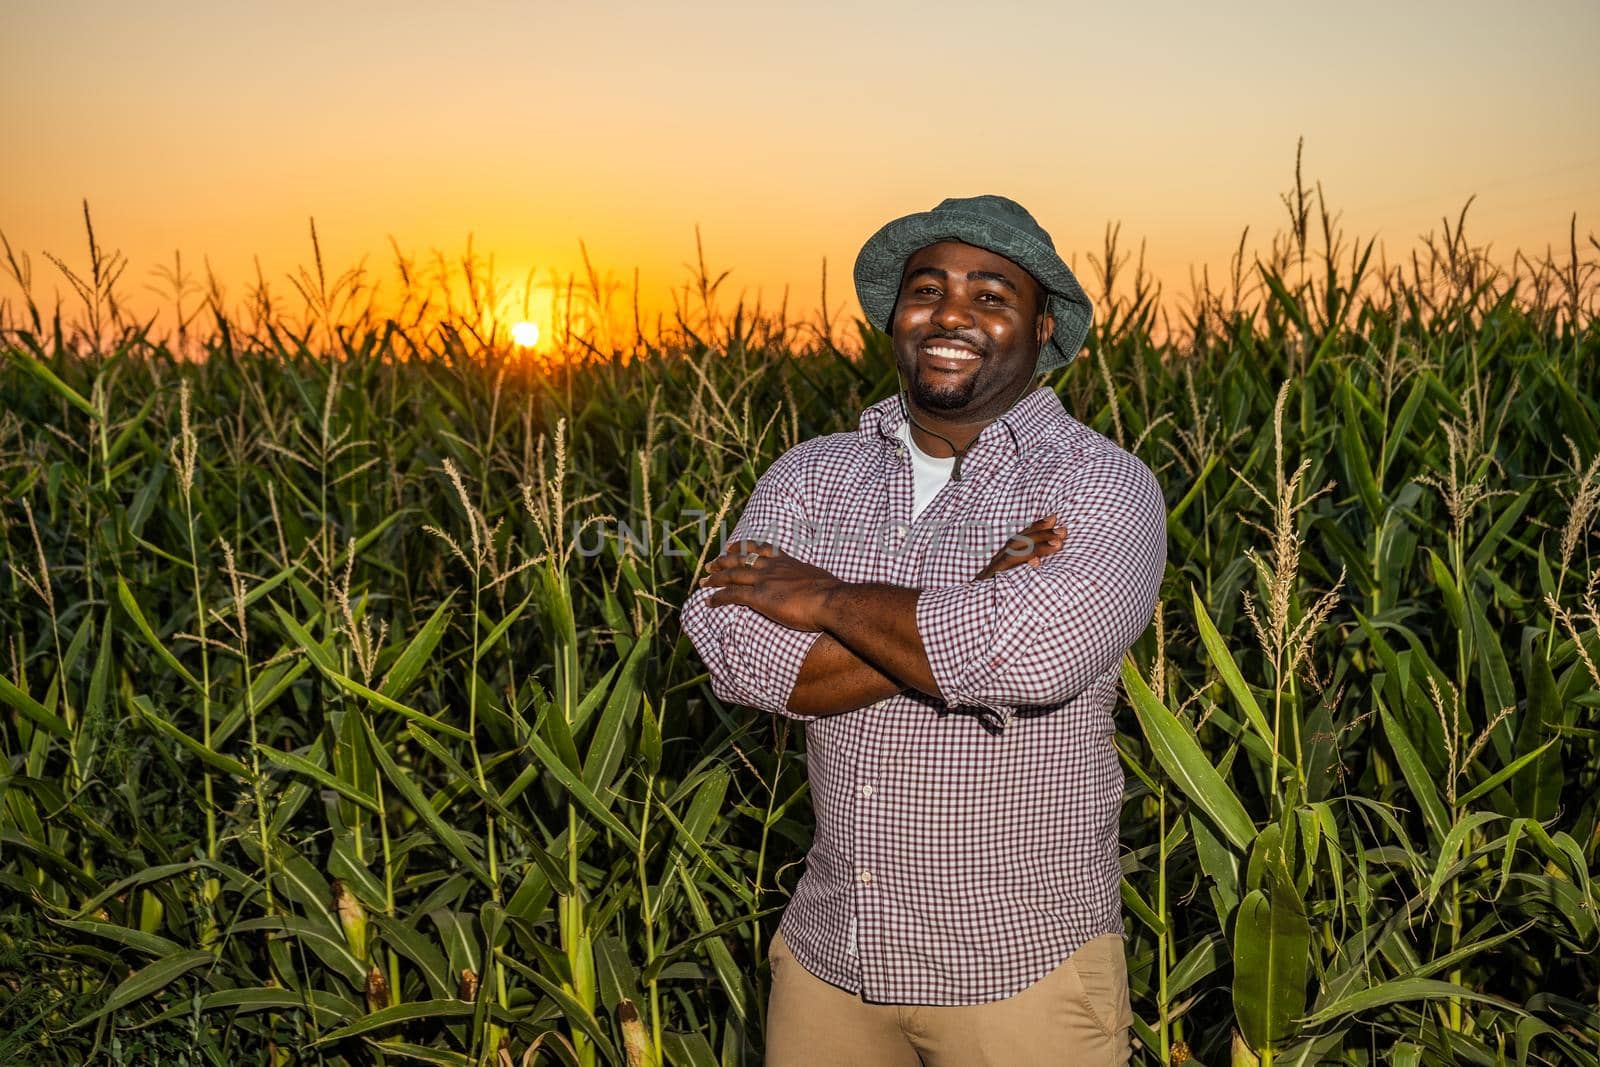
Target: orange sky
<point>788,134</point>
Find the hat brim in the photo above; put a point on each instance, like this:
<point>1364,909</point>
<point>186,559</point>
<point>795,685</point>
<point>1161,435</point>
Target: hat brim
<point>882,261</point>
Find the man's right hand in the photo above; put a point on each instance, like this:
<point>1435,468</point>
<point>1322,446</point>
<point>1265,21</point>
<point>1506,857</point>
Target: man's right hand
<point>1030,545</point>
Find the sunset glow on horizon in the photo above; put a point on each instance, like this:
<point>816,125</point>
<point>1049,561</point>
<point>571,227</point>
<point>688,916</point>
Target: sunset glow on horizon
<point>572,152</point>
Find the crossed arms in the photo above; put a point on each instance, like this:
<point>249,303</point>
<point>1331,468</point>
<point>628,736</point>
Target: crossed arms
<point>1041,622</point>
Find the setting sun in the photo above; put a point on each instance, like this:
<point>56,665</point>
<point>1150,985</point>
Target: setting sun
<point>525,334</point>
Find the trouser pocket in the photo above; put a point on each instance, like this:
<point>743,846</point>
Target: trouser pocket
<point>1098,978</point>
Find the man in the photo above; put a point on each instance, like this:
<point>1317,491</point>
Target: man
<point>960,903</point>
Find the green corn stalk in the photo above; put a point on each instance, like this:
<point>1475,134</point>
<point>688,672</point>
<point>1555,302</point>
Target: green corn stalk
<point>1347,805</point>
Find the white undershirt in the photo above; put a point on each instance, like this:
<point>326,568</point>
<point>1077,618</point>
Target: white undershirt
<point>929,473</point>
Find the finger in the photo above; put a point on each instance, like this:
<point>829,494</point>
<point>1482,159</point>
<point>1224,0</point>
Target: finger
<point>733,595</point>
<point>1019,546</point>
<point>729,558</point>
<point>736,551</point>
<point>1038,527</point>
<point>1021,542</point>
<point>731,576</point>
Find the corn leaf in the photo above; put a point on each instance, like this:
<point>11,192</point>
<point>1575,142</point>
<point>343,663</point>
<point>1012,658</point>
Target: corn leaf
<point>1179,754</point>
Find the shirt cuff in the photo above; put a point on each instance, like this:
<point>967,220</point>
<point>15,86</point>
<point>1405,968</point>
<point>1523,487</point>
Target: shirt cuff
<point>958,634</point>
<point>753,661</point>
<point>768,656</point>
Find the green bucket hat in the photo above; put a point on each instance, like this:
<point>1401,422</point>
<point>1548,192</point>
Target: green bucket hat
<point>995,223</point>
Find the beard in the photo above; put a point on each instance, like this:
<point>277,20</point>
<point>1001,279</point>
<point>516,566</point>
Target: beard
<point>939,395</point>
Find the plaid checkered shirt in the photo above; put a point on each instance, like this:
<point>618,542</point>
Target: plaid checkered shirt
<point>965,843</point>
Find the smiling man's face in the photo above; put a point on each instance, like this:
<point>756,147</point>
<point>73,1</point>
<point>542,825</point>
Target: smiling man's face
<point>967,330</point>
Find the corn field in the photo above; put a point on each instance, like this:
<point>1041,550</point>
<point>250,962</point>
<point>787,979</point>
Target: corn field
<point>346,718</point>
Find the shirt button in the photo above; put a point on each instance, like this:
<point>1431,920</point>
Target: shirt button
<point>866,790</point>
<point>866,877</point>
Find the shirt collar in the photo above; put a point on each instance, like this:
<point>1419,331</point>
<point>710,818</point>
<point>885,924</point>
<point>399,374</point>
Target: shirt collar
<point>1016,431</point>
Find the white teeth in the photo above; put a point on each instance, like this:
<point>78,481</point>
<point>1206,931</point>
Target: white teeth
<point>950,353</point>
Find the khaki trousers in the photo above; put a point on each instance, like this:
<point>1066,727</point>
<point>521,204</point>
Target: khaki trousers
<point>1078,1015</point>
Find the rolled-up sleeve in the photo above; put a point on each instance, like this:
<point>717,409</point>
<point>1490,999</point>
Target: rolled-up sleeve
<point>1038,636</point>
<point>752,660</point>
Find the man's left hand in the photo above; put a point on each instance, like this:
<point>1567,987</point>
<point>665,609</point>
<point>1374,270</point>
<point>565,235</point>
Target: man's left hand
<point>763,577</point>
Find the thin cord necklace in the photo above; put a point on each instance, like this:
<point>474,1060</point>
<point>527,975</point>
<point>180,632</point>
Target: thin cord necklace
<point>960,453</point>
